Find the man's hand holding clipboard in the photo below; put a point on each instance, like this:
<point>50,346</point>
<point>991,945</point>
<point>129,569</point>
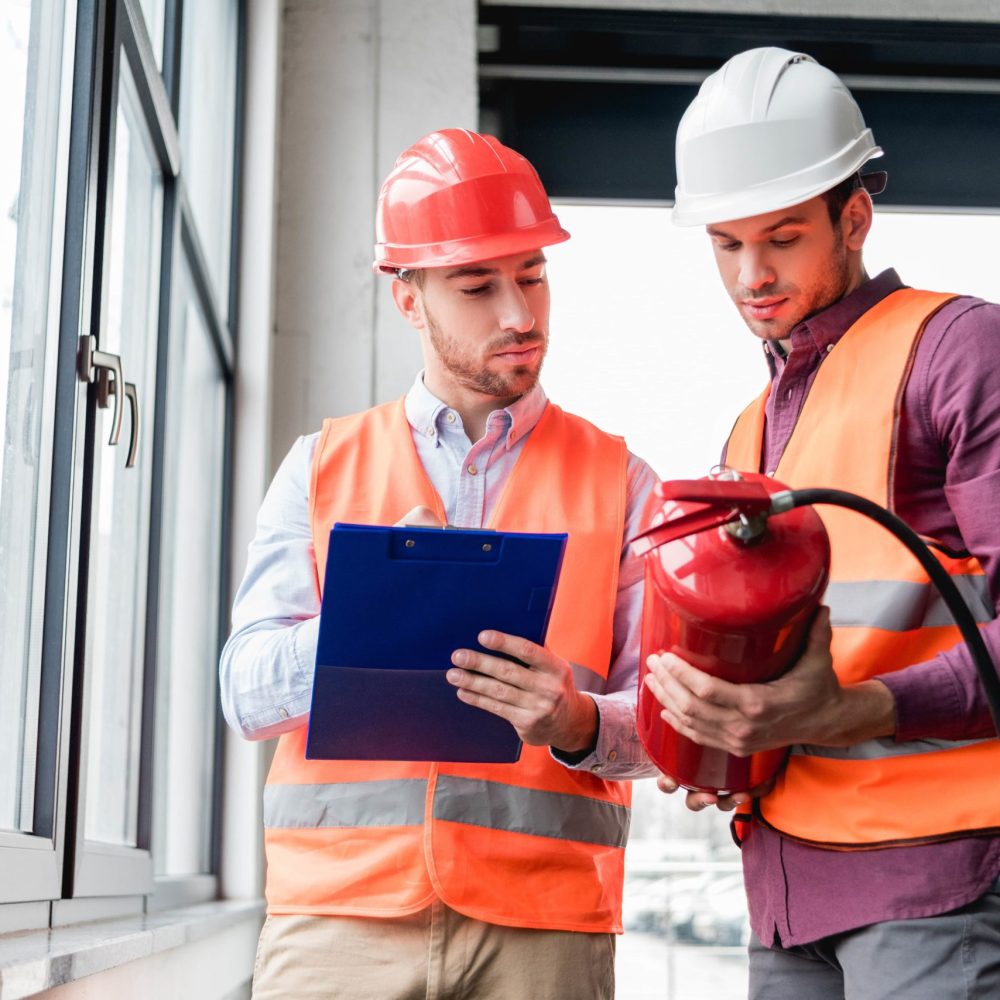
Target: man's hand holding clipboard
<point>536,695</point>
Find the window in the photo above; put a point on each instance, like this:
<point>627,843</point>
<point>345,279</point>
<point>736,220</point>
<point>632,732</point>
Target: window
<point>189,619</point>
<point>36,69</point>
<point>645,342</point>
<point>115,379</point>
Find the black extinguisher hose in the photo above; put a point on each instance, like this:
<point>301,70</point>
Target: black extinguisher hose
<point>964,618</point>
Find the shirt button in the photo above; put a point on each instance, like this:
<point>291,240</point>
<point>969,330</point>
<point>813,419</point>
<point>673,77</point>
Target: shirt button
<point>595,767</point>
<point>283,712</point>
<point>472,470</point>
<point>788,394</point>
<point>612,755</point>
<point>450,418</point>
<point>431,432</point>
<point>771,473</point>
<point>829,347</point>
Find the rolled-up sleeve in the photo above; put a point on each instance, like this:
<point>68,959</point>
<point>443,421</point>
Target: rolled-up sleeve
<point>266,667</point>
<point>619,754</point>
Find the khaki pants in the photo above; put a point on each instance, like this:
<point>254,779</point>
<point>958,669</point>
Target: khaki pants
<point>436,954</point>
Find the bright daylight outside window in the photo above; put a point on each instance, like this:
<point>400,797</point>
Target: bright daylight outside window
<point>645,343</point>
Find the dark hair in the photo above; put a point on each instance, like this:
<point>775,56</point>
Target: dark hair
<point>836,198</point>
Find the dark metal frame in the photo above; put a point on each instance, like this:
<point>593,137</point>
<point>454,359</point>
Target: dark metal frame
<point>593,97</point>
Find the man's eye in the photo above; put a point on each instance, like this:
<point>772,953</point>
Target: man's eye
<point>785,242</point>
<point>533,281</point>
<point>473,292</point>
<point>728,246</point>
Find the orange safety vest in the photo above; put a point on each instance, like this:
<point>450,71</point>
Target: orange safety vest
<point>532,844</point>
<point>886,614</point>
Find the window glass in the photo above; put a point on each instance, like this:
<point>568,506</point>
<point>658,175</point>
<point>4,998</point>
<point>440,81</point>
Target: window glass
<point>153,12</point>
<point>35,61</point>
<point>646,343</point>
<point>188,643</point>
<point>116,594</point>
<point>207,121</point>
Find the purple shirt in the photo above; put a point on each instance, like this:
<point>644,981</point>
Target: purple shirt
<point>947,482</point>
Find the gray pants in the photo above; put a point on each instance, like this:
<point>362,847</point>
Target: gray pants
<point>954,956</point>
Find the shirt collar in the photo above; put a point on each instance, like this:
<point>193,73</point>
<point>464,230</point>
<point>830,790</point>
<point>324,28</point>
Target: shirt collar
<point>425,412</point>
<point>820,332</point>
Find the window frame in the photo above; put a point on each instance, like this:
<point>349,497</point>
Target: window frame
<point>53,875</point>
<point>32,863</point>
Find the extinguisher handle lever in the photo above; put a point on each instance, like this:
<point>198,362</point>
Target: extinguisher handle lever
<point>724,501</point>
<point>679,527</point>
<point>749,496</point>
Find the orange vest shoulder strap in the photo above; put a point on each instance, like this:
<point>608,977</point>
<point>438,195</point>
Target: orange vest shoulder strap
<point>746,440</point>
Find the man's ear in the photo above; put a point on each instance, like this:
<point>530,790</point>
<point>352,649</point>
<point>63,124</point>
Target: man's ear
<point>409,302</point>
<point>856,219</point>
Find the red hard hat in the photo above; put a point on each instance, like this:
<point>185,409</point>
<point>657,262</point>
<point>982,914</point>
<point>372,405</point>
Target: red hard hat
<point>457,197</point>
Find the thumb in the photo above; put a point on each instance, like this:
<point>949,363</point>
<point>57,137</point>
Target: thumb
<point>820,633</point>
<point>419,517</point>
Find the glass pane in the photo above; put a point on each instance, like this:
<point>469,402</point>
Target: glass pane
<point>189,595</point>
<point>207,123</point>
<point>153,12</point>
<point>116,595</point>
<point>646,343</point>
<point>35,77</point>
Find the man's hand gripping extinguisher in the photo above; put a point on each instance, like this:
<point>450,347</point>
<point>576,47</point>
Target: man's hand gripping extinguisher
<point>735,568</point>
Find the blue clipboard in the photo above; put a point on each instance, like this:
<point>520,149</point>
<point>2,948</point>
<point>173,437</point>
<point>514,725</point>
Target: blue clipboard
<point>397,602</point>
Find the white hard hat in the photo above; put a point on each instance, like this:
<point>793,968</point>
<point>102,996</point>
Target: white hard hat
<point>771,128</point>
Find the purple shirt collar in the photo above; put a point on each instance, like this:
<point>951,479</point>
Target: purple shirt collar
<point>820,332</point>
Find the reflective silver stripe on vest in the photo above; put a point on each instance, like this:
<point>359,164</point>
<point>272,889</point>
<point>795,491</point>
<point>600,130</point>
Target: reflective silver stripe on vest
<point>527,810</point>
<point>878,749</point>
<point>901,605</point>
<point>351,803</point>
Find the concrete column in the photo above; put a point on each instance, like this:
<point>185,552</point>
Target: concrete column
<point>361,80</point>
<point>241,872</point>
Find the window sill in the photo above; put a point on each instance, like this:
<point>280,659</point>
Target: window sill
<point>32,961</point>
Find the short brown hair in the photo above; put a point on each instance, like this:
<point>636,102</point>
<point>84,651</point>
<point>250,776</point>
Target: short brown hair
<point>836,198</point>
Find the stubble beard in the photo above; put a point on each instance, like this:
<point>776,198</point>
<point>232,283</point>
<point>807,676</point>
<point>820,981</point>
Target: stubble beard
<point>830,287</point>
<point>469,371</point>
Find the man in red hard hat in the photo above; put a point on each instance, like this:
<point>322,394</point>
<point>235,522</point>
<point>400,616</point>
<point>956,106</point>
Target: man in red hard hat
<point>392,879</point>
<point>872,865</point>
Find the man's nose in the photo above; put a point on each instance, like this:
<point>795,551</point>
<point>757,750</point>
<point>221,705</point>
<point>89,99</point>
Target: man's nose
<point>755,271</point>
<point>515,313</point>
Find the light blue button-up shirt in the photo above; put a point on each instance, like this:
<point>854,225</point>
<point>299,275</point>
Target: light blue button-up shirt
<point>266,670</point>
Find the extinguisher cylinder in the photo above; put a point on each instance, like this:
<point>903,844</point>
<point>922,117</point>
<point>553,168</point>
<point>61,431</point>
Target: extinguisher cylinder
<point>738,610</point>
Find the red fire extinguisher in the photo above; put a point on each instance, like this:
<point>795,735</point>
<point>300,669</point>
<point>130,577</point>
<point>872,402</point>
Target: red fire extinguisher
<point>732,592</point>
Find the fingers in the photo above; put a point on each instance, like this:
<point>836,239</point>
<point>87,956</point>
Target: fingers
<point>525,650</point>
<point>536,674</point>
<point>503,688</point>
<point>677,675</point>
<point>696,801</point>
<point>419,517</point>
<point>667,784</point>
<point>689,714</point>
<point>820,632</point>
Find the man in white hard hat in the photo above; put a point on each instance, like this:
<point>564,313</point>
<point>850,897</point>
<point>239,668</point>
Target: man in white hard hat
<point>872,864</point>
